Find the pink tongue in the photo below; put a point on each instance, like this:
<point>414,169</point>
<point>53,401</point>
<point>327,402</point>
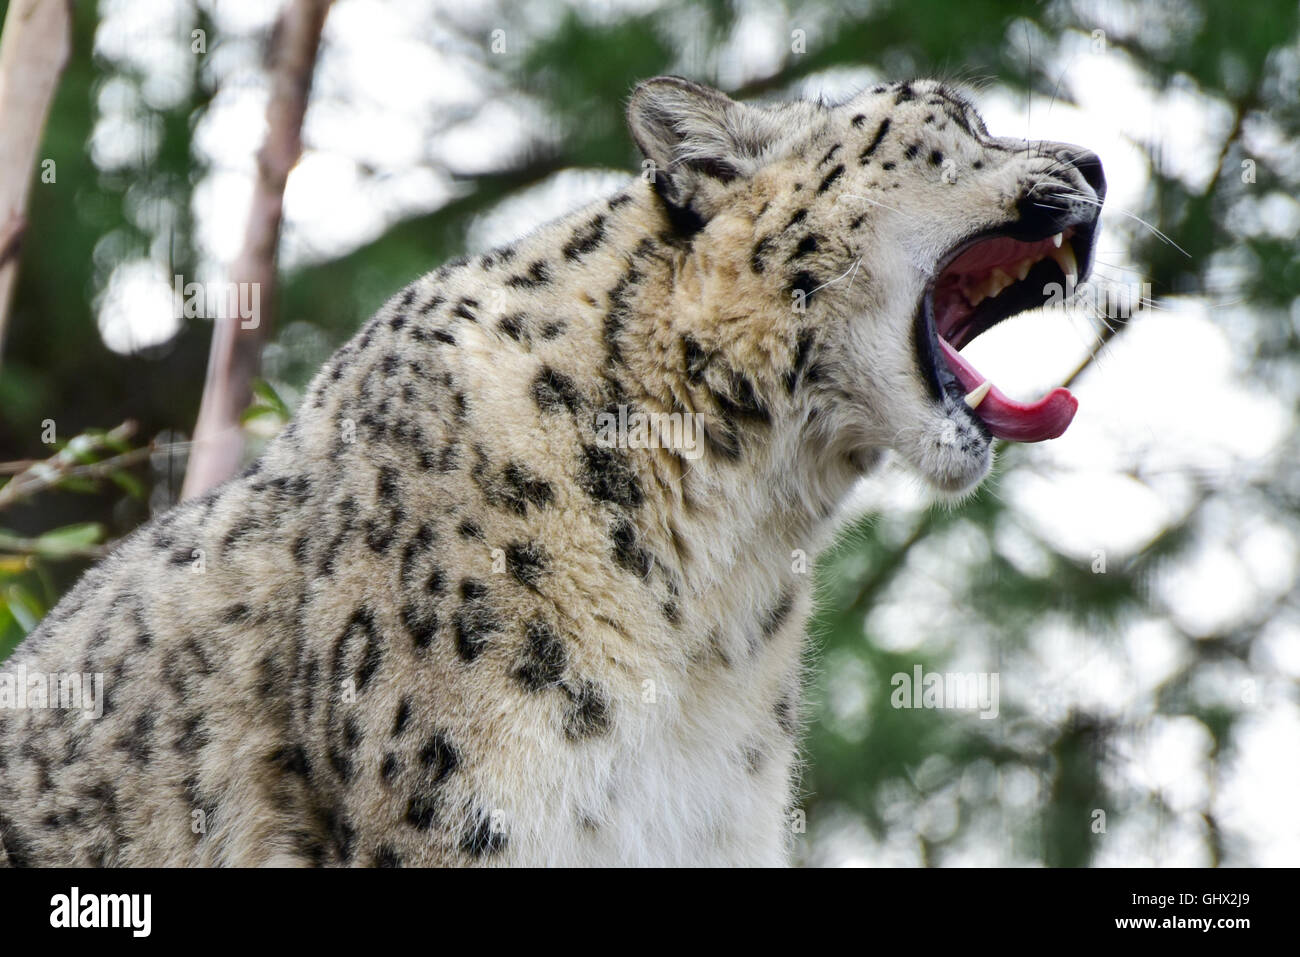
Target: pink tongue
<point>1008,419</point>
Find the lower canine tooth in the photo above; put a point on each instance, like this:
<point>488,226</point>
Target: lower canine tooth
<point>1065,258</point>
<point>976,395</point>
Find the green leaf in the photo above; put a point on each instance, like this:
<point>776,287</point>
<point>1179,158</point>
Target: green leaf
<point>257,412</point>
<point>70,538</point>
<point>264,391</point>
<point>128,483</point>
<point>79,484</point>
<point>25,607</point>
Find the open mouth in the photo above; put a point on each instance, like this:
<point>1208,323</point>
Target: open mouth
<point>982,282</point>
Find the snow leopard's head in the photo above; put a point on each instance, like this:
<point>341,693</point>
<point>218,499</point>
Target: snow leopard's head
<point>874,239</point>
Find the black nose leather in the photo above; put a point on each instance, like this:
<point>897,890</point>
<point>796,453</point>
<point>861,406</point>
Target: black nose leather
<point>1052,204</point>
<point>1088,164</point>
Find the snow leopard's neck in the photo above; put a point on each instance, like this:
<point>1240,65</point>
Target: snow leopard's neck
<point>686,340</point>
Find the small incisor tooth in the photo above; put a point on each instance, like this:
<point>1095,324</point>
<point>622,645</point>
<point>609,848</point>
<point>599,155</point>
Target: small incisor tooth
<point>976,395</point>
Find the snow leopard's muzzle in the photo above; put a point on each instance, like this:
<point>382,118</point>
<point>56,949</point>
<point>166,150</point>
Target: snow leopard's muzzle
<point>1040,255</point>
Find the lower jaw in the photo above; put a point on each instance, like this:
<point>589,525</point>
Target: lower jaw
<point>950,379</point>
<point>1006,418</point>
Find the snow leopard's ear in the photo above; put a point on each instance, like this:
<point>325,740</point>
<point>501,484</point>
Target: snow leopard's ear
<point>692,132</point>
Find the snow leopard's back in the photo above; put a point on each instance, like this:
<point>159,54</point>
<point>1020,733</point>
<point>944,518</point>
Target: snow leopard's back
<point>437,622</point>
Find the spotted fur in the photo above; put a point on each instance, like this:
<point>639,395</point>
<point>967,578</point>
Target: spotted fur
<point>439,622</point>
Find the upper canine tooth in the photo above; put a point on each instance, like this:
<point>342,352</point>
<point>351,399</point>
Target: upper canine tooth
<point>1069,265</point>
<point>1057,239</point>
<point>976,395</point>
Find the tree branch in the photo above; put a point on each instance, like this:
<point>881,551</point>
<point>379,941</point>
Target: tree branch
<point>34,476</point>
<point>236,347</point>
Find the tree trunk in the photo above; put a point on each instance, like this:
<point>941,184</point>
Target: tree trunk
<point>233,362</point>
<point>34,49</point>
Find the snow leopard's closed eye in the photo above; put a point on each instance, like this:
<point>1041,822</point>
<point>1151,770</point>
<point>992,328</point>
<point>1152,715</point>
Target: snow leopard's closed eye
<point>916,230</point>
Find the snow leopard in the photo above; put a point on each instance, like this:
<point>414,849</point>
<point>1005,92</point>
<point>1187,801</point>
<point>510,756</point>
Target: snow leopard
<point>521,581</point>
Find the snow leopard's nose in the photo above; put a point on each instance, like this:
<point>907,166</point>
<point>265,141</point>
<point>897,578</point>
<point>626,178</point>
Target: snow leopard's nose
<point>1055,199</point>
<point>1088,165</point>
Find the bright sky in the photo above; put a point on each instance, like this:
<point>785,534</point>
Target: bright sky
<point>1164,413</point>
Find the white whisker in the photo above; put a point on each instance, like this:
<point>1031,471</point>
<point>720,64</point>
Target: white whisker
<point>852,270</point>
<point>873,203</point>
